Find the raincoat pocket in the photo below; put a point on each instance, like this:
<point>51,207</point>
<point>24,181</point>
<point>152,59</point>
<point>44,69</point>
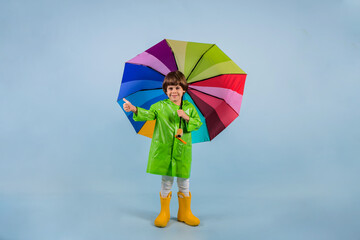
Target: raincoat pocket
<point>159,161</point>
<point>178,150</point>
<point>184,164</point>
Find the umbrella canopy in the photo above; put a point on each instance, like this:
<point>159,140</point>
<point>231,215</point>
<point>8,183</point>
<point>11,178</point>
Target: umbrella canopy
<point>216,84</point>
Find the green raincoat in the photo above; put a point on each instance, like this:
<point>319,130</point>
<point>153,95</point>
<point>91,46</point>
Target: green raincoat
<point>168,155</point>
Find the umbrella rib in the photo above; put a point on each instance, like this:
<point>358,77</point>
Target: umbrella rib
<point>217,76</point>
<point>173,55</point>
<point>147,67</point>
<point>193,89</point>
<point>199,61</point>
<point>141,90</point>
<point>156,70</point>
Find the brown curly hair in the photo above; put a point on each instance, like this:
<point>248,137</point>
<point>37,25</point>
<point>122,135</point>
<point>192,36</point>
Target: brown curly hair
<point>175,78</point>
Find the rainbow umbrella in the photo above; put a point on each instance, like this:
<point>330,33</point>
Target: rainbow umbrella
<point>216,84</point>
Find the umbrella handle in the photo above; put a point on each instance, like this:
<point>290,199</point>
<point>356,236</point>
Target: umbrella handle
<point>179,133</point>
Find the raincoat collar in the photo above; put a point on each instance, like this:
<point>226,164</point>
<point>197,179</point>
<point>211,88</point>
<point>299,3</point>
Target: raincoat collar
<point>168,100</point>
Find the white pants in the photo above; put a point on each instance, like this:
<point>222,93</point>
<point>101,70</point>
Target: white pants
<point>167,182</point>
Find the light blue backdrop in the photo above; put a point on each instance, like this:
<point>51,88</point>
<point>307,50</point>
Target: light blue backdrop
<point>71,166</point>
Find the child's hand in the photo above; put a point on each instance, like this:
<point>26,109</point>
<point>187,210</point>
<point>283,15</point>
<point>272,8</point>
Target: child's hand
<point>129,107</point>
<point>182,114</point>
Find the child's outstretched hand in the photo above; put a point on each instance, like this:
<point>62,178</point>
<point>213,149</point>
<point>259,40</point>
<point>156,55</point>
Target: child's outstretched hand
<point>182,114</point>
<point>129,107</point>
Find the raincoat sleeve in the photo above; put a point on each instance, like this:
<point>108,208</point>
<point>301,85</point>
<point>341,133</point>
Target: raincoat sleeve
<point>145,115</point>
<point>194,122</point>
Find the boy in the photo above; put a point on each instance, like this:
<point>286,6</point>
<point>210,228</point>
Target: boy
<point>169,156</point>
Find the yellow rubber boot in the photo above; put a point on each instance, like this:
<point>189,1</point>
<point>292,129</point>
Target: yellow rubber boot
<point>184,214</point>
<point>164,215</point>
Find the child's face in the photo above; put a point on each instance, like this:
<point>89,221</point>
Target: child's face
<point>175,92</point>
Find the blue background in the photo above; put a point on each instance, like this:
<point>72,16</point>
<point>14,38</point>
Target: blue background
<point>72,167</point>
